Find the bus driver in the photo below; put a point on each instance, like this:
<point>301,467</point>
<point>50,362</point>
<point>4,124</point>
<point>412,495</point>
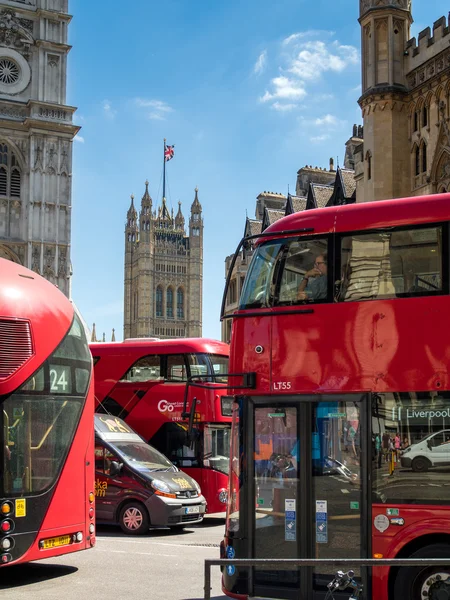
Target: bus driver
<point>314,283</point>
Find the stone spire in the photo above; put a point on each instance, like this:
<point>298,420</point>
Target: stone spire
<point>146,201</point>
<point>113,337</point>
<point>131,229</point>
<point>93,335</point>
<point>179,219</point>
<point>196,206</point>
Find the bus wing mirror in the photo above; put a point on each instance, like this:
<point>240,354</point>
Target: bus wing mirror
<point>115,468</point>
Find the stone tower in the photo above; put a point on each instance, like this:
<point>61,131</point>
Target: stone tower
<point>163,283</point>
<point>36,133</point>
<point>385,26</point>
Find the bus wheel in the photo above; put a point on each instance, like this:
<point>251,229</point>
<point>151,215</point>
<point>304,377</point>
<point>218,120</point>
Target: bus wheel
<point>133,518</point>
<point>420,464</point>
<point>432,583</point>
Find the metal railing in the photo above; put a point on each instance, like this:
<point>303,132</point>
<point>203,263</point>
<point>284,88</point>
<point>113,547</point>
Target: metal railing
<point>316,562</point>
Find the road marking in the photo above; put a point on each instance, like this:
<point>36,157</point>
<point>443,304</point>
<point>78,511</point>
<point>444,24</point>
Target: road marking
<point>153,542</point>
<point>345,491</point>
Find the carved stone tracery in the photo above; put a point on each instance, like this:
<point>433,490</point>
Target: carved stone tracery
<point>16,33</point>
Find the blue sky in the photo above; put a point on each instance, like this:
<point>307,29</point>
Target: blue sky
<point>249,91</point>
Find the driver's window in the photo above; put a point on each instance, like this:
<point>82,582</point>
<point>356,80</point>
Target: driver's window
<point>304,276</point>
<point>437,440</point>
<point>99,459</point>
<point>109,457</point>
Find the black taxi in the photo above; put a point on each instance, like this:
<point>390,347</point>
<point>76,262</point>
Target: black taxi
<point>136,486</point>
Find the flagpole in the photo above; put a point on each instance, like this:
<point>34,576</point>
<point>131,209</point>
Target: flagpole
<point>164,170</point>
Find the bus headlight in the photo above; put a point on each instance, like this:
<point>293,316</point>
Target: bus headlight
<point>223,496</point>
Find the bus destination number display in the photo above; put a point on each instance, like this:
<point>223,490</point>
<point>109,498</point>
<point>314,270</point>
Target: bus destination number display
<point>60,379</point>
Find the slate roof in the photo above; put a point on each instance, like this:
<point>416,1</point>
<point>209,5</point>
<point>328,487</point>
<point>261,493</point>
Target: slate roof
<point>322,193</point>
<point>299,203</point>
<point>253,226</point>
<point>274,215</point>
<point>348,181</point>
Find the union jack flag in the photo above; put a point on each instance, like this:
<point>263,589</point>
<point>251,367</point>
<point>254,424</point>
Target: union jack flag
<point>168,152</point>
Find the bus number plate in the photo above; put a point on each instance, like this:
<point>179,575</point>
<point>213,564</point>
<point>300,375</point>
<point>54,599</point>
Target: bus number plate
<point>62,540</point>
<point>192,509</point>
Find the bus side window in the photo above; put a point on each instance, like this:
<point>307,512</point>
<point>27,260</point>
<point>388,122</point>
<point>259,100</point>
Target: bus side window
<point>390,264</point>
<point>147,368</point>
<point>176,367</point>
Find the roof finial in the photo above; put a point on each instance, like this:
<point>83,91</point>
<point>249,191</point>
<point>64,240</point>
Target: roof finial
<point>113,337</point>
<point>93,335</point>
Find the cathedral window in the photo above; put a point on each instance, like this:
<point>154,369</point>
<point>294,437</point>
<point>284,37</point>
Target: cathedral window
<point>159,302</point>
<point>425,116</point>
<point>9,71</point>
<point>369,165</point>
<point>180,304</point>
<point>424,158</point>
<point>196,217</point>
<point>196,232</point>
<point>416,120</point>
<point>169,303</point>
<point>417,161</point>
<point>10,175</point>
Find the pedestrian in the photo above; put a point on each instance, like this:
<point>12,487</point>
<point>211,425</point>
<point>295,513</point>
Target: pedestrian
<point>397,445</point>
<point>405,443</point>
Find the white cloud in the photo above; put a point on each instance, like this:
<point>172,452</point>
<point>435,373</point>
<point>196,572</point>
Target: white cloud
<point>157,109</point>
<point>79,138</point>
<point>328,120</point>
<point>306,34</point>
<point>315,58</point>
<point>317,139</point>
<point>261,63</point>
<point>286,89</point>
<point>283,107</point>
<point>108,109</point>
<point>304,58</point>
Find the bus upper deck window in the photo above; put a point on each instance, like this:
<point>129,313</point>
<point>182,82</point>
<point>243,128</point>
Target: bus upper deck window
<point>391,264</point>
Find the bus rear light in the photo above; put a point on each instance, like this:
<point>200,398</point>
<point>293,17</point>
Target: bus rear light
<point>6,558</point>
<point>6,543</point>
<point>91,528</point>
<point>6,526</point>
<point>6,508</point>
<point>91,513</point>
<point>79,537</point>
<point>377,555</point>
<point>91,497</point>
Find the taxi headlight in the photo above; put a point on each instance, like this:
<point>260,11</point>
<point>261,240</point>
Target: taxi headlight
<point>160,486</point>
<point>197,487</point>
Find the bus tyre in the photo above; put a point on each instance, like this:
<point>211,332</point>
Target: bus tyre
<point>133,518</point>
<point>424,582</point>
<point>420,464</point>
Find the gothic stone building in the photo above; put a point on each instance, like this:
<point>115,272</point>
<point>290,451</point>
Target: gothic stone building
<point>36,133</point>
<point>405,104</point>
<point>163,271</point>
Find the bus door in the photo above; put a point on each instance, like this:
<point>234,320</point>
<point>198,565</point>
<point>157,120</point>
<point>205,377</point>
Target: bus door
<point>307,489</point>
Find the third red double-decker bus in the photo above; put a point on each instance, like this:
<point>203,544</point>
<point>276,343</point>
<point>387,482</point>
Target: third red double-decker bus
<point>143,382</point>
<point>342,449</point>
<point>47,408</point>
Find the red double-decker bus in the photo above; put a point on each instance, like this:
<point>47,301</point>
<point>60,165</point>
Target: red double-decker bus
<point>47,435</point>
<point>143,382</point>
<point>342,449</point>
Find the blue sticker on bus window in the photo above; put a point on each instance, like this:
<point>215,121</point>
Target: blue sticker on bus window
<point>290,521</point>
<point>231,570</point>
<point>321,522</point>
<point>230,552</point>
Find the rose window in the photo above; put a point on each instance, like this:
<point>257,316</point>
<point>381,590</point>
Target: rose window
<point>9,71</point>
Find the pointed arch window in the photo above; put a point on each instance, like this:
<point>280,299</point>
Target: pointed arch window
<point>369,165</point>
<point>169,303</point>
<point>425,116</point>
<point>417,161</point>
<point>416,120</point>
<point>159,301</point>
<point>424,158</point>
<point>180,303</point>
<point>10,174</point>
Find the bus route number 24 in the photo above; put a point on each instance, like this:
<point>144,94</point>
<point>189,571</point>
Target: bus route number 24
<point>282,385</point>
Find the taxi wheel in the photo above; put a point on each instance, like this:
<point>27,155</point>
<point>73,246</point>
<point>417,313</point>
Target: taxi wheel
<point>133,518</point>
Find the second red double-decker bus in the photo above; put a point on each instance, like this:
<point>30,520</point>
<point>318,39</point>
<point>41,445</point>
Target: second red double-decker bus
<point>47,407</point>
<point>342,449</point>
<point>143,382</point>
